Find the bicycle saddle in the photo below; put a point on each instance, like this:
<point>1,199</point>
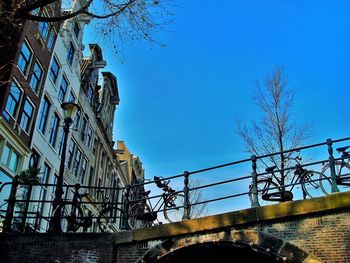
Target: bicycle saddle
<point>270,169</point>
<point>342,149</point>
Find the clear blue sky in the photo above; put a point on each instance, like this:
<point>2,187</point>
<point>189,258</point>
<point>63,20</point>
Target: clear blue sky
<point>179,103</point>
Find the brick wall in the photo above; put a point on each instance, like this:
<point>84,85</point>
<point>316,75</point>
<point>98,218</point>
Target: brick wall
<point>129,253</point>
<point>73,248</point>
<point>326,237</point>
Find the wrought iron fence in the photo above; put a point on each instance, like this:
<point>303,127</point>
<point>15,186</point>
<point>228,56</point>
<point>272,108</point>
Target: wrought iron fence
<point>101,209</point>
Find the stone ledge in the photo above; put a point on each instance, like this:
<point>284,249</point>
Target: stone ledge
<point>333,202</point>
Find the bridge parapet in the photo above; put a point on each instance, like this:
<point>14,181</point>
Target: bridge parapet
<point>314,230</point>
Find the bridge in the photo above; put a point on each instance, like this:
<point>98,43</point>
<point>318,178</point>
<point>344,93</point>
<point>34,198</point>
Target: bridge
<point>312,226</point>
<point>310,231</point>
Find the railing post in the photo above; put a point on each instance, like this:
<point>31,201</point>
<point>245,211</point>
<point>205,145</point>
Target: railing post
<point>126,207</point>
<point>254,199</point>
<point>70,227</point>
<point>187,205</point>
<point>332,167</point>
<point>11,205</point>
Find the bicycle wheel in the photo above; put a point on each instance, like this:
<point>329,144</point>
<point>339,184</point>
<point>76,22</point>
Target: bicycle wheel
<point>315,184</point>
<point>137,214</point>
<point>109,219</point>
<point>264,187</point>
<point>174,207</point>
<point>342,169</point>
<point>71,217</point>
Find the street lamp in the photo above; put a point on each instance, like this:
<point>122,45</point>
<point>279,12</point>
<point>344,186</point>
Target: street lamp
<point>69,110</point>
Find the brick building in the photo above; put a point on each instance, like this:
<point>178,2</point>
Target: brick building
<point>26,48</point>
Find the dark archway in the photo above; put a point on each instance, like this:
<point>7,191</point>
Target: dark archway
<point>226,246</point>
<point>219,252</point>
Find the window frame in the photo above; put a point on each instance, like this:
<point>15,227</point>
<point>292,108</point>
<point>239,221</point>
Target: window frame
<point>35,76</point>
<point>8,162</point>
<point>77,161</point>
<point>70,152</point>
<point>75,31</point>
<point>6,112</point>
<point>43,116</point>
<point>22,58</point>
<point>53,74</point>
<point>89,136</point>
<point>55,122</point>
<point>70,53</point>
<point>61,91</point>
<point>29,118</point>
<point>50,39</point>
<point>45,28</point>
<point>84,125</point>
<point>83,169</point>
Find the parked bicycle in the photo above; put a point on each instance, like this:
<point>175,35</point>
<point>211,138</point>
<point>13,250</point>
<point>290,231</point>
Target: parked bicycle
<point>74,215</point>
<point>342,169</point>
<point>142,213</point>
<point>270,188</point>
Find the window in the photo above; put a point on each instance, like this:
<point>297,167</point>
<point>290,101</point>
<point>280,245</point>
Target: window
<point>60,147</point>
<point>36,11</point>
<point>34,159</point>
<point>89,137</point>
<point>36,77</point>
<point>83,128</point>
<point>63,89</point>
<point>12,102</point>
<point>94,148</point>
<point>44,113</point>
<point>27,116</point>
<point>54,70</point>
<point>83,170</point>
<point>77,118</point>
<point>76,163</point>
<point>5,192</point>
<point>44,29</point>
<point>91,176</point>
<point>10,158</point>
<point>70,152</point>
<point>71,97</point>
<point>70,55</point>
<point>90,94</point>
<point>51,39</point>
<point>76,29</point>
<point>103,156</point>
<point>54,129</point>
<point>45,177</point>
<point>24,58</point>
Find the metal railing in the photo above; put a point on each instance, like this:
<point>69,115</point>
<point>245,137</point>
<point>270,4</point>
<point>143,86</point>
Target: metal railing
<point>24,217</point>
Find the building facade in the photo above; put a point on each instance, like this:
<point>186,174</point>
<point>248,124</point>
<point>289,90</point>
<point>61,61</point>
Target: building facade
<point>48,69</point>
<point>26,48</point>
<point>62,84</point>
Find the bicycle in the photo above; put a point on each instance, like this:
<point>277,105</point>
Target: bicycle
<point>270,188</point>
<point>342,169</point>
<point>142,213</point>
<point>73,217</point>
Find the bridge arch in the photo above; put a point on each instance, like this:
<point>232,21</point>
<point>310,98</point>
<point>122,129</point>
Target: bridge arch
<point>227,246</point>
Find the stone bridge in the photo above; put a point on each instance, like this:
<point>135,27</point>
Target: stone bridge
<point>314,230</point>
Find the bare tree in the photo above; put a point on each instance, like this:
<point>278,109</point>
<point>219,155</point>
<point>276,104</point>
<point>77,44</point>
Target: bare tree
<point>127,18</point>
<point>198,209</point>
<point>275,130</point>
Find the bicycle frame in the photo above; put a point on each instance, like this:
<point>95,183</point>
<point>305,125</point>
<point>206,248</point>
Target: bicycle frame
<point>284,192</point>
<point>159,204</point>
